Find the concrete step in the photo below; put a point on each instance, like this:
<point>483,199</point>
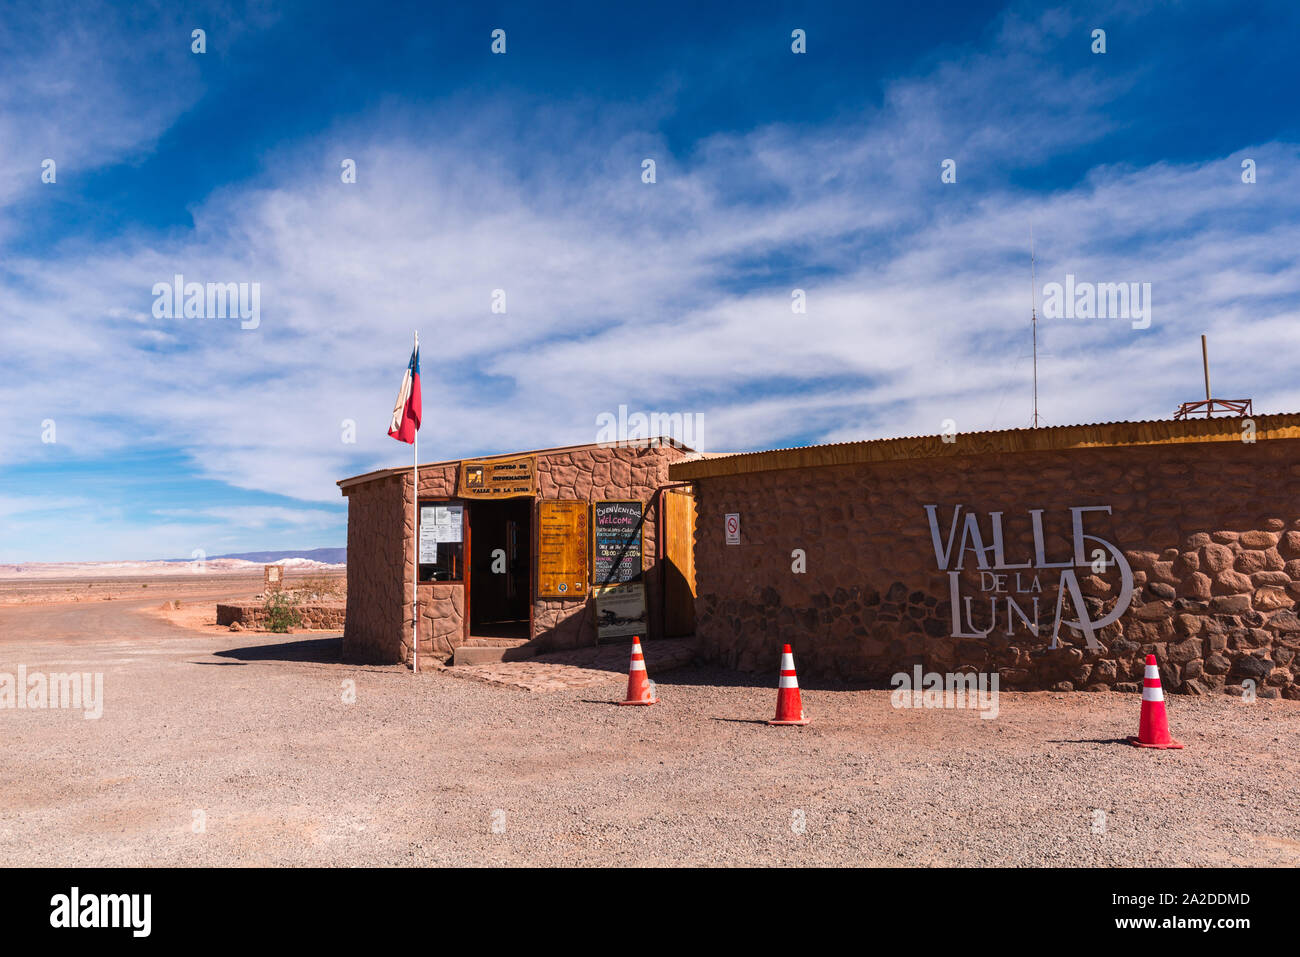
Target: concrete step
<point>472,654</point>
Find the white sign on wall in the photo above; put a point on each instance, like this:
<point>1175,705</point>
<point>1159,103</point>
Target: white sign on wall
<point>438,523</point>
<point>732,526</point>
<point>1010,587</point>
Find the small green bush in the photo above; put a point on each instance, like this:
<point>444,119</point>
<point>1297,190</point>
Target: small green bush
<point>281,613</point>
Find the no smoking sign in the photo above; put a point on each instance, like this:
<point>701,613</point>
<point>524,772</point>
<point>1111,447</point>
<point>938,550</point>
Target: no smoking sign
<point>732,525</point>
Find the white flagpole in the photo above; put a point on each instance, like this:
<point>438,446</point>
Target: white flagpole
<point>415,543</point>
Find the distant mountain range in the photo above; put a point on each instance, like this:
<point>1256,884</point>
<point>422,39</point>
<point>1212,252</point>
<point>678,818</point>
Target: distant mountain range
<point>323,559</point>
<point>249,563</point>
<point>328,556</point>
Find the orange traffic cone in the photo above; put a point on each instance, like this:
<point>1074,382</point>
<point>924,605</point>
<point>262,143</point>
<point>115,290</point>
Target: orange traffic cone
<point>638,684</point>
<point>789,706</point>
<point>1153,726</point>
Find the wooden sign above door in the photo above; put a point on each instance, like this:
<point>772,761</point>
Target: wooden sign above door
<point>498,478</point>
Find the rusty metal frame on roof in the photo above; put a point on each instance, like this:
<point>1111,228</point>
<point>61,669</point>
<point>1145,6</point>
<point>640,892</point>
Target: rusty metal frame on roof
<point>1207,407</point>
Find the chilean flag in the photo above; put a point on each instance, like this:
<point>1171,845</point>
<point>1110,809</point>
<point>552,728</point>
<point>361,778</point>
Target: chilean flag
<point>406,413</point>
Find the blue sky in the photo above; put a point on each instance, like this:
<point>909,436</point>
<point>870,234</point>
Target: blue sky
<point>522,172</point>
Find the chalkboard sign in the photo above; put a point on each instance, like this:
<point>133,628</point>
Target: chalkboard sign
<point>616,542</point>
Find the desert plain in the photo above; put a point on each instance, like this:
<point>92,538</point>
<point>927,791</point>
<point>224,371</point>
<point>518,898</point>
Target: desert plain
<point>249,748</point>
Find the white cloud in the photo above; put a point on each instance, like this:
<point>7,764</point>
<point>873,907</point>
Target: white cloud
<point>672,297</point>
<point>257,516</point>
<point>16,506</point>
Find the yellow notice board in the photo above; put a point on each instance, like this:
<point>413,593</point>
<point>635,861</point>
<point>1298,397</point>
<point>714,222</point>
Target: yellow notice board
<point>498,478</point>
<point>561,549</point>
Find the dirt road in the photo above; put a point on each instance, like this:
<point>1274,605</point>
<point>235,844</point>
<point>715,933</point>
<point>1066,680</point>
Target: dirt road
<point>229,749</point>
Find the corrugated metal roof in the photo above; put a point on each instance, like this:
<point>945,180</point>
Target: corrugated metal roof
<point>1047,438</point>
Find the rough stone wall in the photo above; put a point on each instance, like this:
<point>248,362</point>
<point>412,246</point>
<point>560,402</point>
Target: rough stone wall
<point>1211,532</point>
<point>379,571</point>
<point>378,576</point>
<point>596,474</point>
<point>317,616</point>
<point>442,604</point>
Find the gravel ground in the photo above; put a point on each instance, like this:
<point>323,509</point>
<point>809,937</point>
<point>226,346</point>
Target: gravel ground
<point>253,732</point>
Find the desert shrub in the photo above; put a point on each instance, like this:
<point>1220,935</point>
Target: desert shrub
<point>318,588</point>
<point>281,612</point>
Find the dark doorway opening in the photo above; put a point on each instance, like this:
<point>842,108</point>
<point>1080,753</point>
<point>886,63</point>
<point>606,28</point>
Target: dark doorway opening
<point>501,560</point>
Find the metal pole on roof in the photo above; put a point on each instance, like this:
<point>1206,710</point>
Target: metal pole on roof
<point>1033,317</point>
<point>1205,362</point>
<point>415,544</point>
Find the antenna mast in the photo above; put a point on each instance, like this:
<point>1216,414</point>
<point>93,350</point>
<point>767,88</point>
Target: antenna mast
<point>1033,318</point>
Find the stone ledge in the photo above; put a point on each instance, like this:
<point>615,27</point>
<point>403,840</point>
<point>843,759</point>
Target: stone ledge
<point>579,667</point>
<point>487,654</point>
<point>323,615</point>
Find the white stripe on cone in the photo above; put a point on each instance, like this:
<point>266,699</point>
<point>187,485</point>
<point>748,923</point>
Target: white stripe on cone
<point>788,681</point>
<point>637,665</point>
<point>787,661</point>
<point>1155,693</point>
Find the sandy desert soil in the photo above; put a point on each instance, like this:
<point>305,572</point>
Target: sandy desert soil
<point>60,590</point>
<point>26,591</point>
<point>256,739</point>
<point>188,601</point>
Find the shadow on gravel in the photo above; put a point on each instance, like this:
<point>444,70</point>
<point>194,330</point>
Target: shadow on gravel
<point>323,650</point>
<point>716,677</point>
<point>1087,741</point>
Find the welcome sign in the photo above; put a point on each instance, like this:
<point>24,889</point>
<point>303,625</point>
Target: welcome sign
<point>1010,587</point>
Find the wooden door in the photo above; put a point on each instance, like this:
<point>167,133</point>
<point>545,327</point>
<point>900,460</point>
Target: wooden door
<point>679,561</point>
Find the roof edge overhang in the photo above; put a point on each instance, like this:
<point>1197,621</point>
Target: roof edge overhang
<point>1005,442</point>
<point>657,442</point>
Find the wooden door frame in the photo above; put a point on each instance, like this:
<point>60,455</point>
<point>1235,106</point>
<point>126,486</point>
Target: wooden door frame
<point>659,498</point>
<point>534,511</point>
<point>469,564</point>
<point>469,548</point>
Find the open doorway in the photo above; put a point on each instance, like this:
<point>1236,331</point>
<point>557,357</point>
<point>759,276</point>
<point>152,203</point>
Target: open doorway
<point>501,558</point>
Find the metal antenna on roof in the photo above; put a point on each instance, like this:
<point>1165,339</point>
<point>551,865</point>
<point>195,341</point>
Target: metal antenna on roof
<point>1241,407</point>
<point>1033,318</point>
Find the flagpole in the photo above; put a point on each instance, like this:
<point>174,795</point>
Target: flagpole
<point>415,544</point>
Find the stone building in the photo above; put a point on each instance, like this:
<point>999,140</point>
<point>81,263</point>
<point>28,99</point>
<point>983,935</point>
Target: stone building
<point>1057,557</point>
<point>519,553</point>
